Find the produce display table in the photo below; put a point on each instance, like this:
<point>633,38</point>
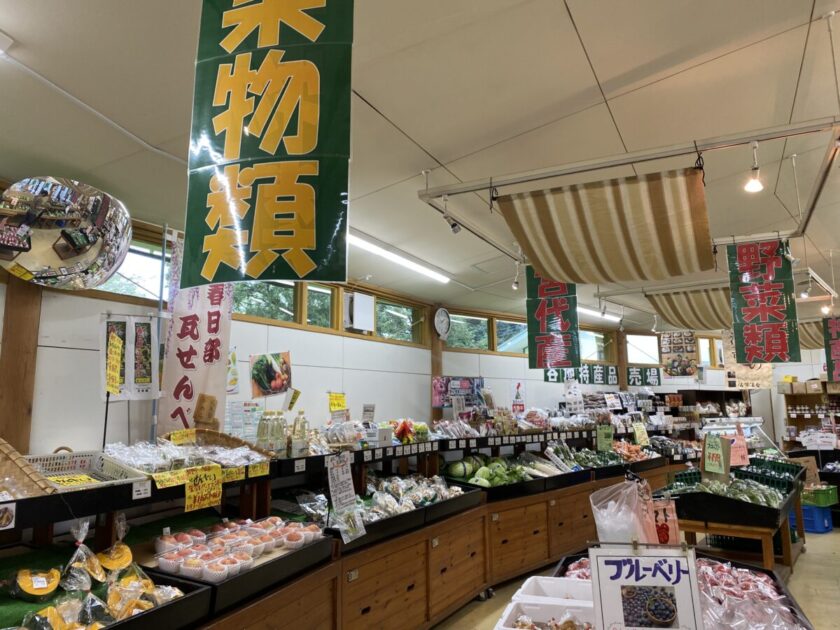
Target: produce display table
<point>763,534</point>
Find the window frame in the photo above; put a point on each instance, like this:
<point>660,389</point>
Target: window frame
<point>711,342</point>
<point>641,334</point>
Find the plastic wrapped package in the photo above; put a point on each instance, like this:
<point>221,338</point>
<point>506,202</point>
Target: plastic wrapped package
<point>94,610</point>
<point>164,594</point>
<point>118,556</point>
<point>622,515</point>
<point>315,506</point>
<point>84,566</point>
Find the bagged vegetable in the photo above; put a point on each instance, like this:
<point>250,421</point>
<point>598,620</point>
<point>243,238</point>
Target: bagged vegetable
<point>623,513</point>
<point>84,565</point>
<point>118,556</point>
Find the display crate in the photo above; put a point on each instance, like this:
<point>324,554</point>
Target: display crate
<point>796,470</point>
<point>184,612</point>
<point>607,472</point>
<point>471,498</point>
<point>382,529</point>
<point>817,519</point>
<point>820,496</point>
<point>509,491</point>
<point>105,470</point>
<point>649,464</point>
<point>568,479</point>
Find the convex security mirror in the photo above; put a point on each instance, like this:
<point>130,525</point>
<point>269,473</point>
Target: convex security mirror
<point>62,233</point>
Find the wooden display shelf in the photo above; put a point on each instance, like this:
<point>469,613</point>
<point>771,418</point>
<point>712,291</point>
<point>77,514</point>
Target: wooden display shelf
<point>763,534</point>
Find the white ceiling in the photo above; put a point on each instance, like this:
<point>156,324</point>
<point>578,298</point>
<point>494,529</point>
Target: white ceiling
<point>465,88</point>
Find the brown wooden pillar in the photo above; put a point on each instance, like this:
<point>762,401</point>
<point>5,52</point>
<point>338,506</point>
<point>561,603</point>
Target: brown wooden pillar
<point>621,354</point>
<point>436,345</point>
<point>21,321</point>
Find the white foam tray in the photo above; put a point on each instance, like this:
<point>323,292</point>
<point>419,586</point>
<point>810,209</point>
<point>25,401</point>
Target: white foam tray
<point>541,612</point>
<point>539,588</point>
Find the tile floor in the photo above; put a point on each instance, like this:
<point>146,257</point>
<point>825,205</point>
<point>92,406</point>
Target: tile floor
<point>815,584</point>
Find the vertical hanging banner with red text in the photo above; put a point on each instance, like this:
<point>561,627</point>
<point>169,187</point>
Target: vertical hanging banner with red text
<point>552,323</point>
<point>831,334</point>
<point>763,303</point>
<point>270,142</point>
<point>196,359</point>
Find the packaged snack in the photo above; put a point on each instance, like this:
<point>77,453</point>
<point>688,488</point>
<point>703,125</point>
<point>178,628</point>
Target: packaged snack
<point>134,577</point>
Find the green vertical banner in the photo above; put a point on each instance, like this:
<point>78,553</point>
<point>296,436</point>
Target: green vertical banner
<point>270,142</point>
<point>763,303</point>
<point>552,323</point>
<point>831,334</point>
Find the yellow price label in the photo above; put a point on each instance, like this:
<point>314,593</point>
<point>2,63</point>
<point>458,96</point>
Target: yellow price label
<point>68,481</point>
<point>338,401</point>
<point>640,433</point>
<point>112,365</point>
<point>233,474</point>
<point>258,470</point>
<point>170,478</point>
<point>203,488</point>
<point>184,436</point>
<point>21,272</point>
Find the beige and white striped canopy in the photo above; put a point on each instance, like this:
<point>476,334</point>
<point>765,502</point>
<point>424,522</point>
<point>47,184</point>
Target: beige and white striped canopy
<point>650,227</point>
<point>702,309</point>
<point>811,335</point>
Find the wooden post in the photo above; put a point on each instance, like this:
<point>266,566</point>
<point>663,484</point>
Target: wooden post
<point>621,354</point>
<point>21,321</point>
<point>436,345</point>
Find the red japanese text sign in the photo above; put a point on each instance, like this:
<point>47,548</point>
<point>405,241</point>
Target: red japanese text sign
<point>831,334</point>
<point>552,323</point>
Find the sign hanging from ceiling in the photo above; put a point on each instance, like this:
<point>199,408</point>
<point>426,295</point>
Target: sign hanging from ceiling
<point>586,374</point>
<point>552,323</point>
<point>763,303</point>
<point>270,142</point>
<point>644,376</point>
<point>831,333</point>
<point>746,375</point>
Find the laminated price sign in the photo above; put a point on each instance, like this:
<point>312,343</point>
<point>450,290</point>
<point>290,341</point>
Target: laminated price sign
<point>184,436</point>
<point>646,587</point>
<point>170,478</point>
<point>713,454</point>
<point>738,453</point>
<point>203,487</point>
<point>112,367</point>
<point>338,401</point>
<point>69,481</point>
<point>640,433</point>
<point>605,438</point>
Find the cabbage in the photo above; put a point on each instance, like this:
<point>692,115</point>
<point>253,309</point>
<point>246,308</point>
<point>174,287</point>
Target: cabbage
<point>484,472</point>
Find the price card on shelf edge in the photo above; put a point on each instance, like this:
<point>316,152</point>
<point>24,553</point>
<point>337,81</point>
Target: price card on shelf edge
<point>300,465</point>
<point>378,453</point>
<point>170,478</point>
<point>203,487</point>
<point>434,446</point>
<point>462,444</point>
<point>184,436</point>
<point>389,452</point>
<point>140,490</point>
<point>472,443</point>
<point>258,470</point>
<point>367,456</point>
<point>233,474</point>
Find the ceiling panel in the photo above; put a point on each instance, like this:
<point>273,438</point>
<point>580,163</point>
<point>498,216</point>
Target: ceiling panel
<point>750,89</point>
<point>502,74</point>
<point>817,95</point>
<point>635,43</point>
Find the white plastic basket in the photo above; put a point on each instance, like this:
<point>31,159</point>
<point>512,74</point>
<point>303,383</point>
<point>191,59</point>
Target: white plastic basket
<point>106,471</point>
<point>540,612</point>
<point>544,589</point>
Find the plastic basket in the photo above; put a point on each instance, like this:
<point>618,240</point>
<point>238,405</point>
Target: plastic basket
<point>820,496</point>
<point>779,466</point>
<point>817,519</point>
<point>103,469</point>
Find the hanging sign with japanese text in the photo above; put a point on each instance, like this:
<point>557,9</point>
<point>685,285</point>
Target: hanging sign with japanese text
<point>552,323</point>
<point>270,142</point>
<point>640,376</point>
<point>136,366</point>
<point>746,376</point>
<point>631,587</point>
<point>112,367</point>
<point>831,335</point>
<point>196,359</point>
<point>763,303</point>
<point>586,374</point>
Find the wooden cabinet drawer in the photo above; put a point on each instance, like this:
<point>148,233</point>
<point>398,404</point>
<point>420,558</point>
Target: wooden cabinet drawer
<point>561,527</point>
<point>388,591</point>
<point>518,539</point>
<point>456,566</point>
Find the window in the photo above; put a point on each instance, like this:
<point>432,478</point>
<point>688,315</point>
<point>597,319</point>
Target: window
<point>139,274</point>
<point>705,352</point>
<point>596,346</point>
<point>468,331</point>
<point>511,336</point>
<point>319,305</point>
<point>272,300</point>
<point>719,351</point>
<point>643,349</point>
<point>398,321</point>
<point>711,351</point>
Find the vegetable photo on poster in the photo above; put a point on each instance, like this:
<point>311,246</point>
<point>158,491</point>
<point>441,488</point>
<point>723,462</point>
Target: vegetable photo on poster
<point>271,374</point>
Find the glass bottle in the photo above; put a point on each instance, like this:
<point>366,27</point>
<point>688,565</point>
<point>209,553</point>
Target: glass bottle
<point>278,433</point>
<point>264,430</point>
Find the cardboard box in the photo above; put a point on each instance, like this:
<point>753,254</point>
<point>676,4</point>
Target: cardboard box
<point>833,388</point>
<point>800,388</point>
<point>783,387</point>
<point>814,387</point>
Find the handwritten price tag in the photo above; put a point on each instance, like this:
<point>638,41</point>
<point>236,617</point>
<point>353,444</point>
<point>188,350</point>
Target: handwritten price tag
<point>605,438</point>
<point>68,481</point>
<point>112,365</point>
<point>170,478</point>
<point>338,401</point>
<point>203,487</point>
<point>640,433</point>
<point>713,455</point>
<point>184,436</point>
<point>258,470</point>
<point>233,474</point>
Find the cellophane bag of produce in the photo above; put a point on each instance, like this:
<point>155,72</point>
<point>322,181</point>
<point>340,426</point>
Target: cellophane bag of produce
<point>84,566</point>
<point>665,521</point>
<point>622,513</point>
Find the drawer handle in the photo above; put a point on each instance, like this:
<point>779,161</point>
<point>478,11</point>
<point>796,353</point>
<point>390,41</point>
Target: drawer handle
<point>409,588</point>
<point>472,554</point>
<point>365,610</point>
<point>560,524</point>
<point>586,516</point>
<point>504,541</point>
<point>535,532</point>
<point>443,570</point>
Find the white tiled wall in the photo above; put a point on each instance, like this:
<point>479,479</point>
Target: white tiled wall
<point>68,411</point>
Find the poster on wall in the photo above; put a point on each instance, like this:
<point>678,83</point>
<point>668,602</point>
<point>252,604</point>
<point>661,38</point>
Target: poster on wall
<point>744,376</point>
<point>270,374</point>
<point>831,336</point>
<point>763,303</point>
<point>678,350</point>
<point>196,357</point>
<point>444,387</point>
<point>270,142</point>
<point>139,360</point>
<point>232,373</point>
<point>553,340</point>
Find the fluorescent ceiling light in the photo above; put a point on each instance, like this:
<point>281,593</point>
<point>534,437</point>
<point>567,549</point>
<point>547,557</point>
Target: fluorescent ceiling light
<point>588,311</point>
<point>396,258</point>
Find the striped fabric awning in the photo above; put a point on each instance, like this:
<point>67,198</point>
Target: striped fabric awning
<point>649,227</point>
<point>811,335</point>
<point>702,309</point>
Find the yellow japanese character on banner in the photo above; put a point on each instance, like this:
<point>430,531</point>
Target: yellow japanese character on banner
<point>267,16</point>
<point>282,88</point>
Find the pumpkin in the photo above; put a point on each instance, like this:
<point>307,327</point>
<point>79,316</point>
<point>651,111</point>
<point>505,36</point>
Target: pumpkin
<point>133,607</point>
<point>33,621</point>
<point>93,567</point>
<point>24,584</point>
<point>135,581</point>
<point>95,626</point>
<point>116,558</point>
<point>53,618</point>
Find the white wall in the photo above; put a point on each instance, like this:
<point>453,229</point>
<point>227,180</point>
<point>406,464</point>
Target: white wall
<point>68,411</point>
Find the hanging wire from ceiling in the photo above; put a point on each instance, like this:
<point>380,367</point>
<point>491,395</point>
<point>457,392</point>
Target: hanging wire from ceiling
<point>799,208</point>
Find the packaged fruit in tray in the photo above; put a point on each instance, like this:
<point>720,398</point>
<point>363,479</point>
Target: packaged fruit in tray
<point>84,567</point>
